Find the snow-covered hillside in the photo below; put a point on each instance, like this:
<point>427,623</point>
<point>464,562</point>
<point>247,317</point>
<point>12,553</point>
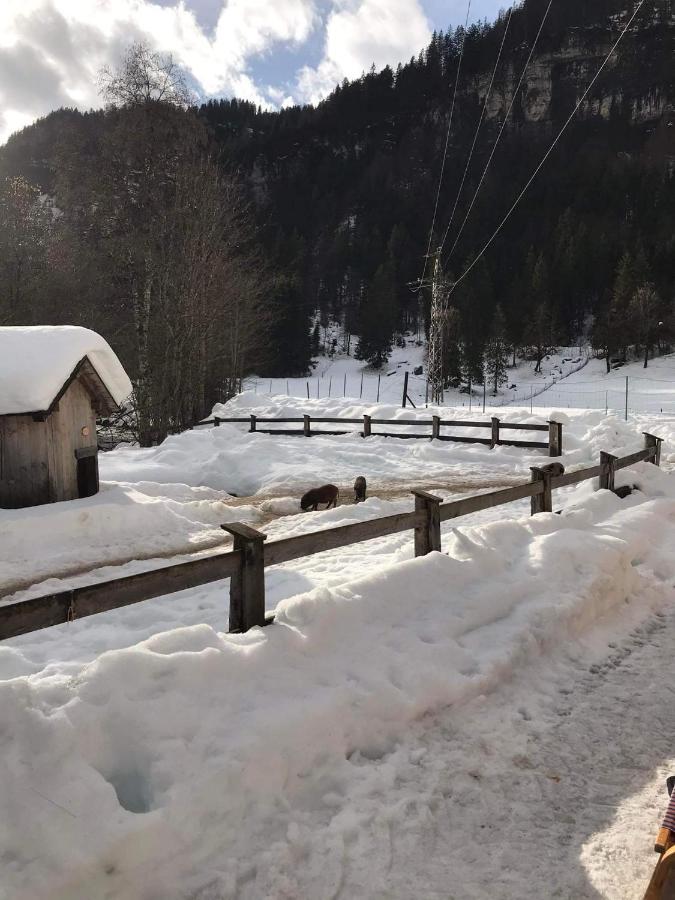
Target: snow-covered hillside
<point>342,375</point>
<point>405,724</point>
<point>570,378</point>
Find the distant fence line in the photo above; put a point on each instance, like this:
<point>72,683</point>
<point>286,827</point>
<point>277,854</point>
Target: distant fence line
<point>245,565</point>
<point>436,424</point>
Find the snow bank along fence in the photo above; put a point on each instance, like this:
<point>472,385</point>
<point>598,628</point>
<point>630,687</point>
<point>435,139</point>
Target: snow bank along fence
<point>245,564</point>
<point>436,423</point>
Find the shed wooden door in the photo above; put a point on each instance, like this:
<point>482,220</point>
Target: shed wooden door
<point>87,471</point>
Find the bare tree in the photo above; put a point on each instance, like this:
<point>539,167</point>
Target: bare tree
<point>144,76</point>
<point>169,239</point>
<point>25,229</point>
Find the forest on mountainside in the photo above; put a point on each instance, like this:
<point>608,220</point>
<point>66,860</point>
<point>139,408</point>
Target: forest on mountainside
<point>325,211</point>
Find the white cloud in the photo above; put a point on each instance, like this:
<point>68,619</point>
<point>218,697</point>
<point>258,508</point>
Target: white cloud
<point>360,33</point>
<point>51,50</point>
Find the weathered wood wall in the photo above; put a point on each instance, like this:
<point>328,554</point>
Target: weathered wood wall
<point>66,424</point>
<point>37,458</point>
<point>24,462</point>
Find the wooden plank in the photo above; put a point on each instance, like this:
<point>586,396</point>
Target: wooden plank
<point>542,502</point>
<point>403,437</point>
<point>287,549</point>
<point>297,420</point>
<point>535,445</point>
<point>515,426</point>
<point>247,585</point>
<point>625,461</point>
<point>231,421</point>
<point>417,423</point>
<point>427,536</point>
<point>53,609</point>
<point>455,439</point>
<point>328,420</point>
<point>464,507</point>
<point>461,424</point>
<point>662,883</point>
<point>243,531</point>
<point>576,477</point>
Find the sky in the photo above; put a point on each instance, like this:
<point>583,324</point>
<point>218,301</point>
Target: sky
<point>273,52</point>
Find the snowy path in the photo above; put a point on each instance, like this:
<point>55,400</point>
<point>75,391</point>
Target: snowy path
<point>535,812</point>
<point>555,792</point>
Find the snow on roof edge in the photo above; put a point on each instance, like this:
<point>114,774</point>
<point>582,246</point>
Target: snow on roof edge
<point>36,362</point>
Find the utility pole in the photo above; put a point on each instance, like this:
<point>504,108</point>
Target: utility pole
<point>439,299</point>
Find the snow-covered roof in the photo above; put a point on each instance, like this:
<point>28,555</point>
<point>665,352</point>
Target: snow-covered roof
<point>36,362</point>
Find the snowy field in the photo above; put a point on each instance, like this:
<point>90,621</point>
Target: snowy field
<point>488,722</point>
<point>571,378</point>
<point>343,376</point>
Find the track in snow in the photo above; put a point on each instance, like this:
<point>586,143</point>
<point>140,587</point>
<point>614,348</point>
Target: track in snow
<point>555,792</point>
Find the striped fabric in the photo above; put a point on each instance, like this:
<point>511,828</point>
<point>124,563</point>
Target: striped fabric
<point>669,818</point>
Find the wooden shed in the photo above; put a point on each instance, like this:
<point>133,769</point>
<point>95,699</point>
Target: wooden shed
<point>54,383</point>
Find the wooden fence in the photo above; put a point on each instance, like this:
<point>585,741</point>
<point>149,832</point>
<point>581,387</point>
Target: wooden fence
<point>434,428</point>
<point>245,564</point>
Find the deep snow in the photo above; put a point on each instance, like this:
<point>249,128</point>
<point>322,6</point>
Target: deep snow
<point>36,361</point>
<point>399,712</point>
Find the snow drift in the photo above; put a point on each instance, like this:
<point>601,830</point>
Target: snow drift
<point>197,764</point>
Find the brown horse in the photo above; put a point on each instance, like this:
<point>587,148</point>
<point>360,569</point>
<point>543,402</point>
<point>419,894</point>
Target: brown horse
<point>327,494</point>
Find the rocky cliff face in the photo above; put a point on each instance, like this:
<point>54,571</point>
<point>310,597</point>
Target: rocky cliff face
<point>632,89</point>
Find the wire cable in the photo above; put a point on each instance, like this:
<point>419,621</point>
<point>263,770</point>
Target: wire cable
<point>550,150</point>
<point>478,127</point>
<point>502,129</point>
<point>445,151</point>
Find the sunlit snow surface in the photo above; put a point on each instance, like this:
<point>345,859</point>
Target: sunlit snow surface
<point>491,721</point>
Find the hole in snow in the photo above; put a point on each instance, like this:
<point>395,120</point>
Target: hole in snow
<point>133,790</point>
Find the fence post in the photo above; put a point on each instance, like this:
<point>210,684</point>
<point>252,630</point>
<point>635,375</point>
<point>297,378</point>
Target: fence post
<point>366,426</point>
<point>543,502</point>
<point>607,478</point>
<point>306,429</point>
<point>428,536</point>
<point>554,438</point>
<point>652,441</point>
<point>405,389</point>
<point>216,422</point>
<point>435,428</point>
<point>495,433</point>
<point>253,423</point>
<point>247,586</point>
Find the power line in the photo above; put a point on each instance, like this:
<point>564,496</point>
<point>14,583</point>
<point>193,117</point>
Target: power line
<point>478,127</point>
<point>445,151</point>
<point>502,129</point>
<point>550,149</point>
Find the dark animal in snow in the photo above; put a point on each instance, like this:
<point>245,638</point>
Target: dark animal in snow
<point>327,494</point>
<point>360,489</point>
<point>553,469</point>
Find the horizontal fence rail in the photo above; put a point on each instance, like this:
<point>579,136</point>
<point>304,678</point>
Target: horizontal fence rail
<point>245,564</point>
<point>436,424</point>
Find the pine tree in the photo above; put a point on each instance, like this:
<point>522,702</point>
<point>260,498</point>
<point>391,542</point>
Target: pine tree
<point>378,318</point>
<point>496,352</point>
<point>619,320</point>
<point>644,311</point>
<point>452,348</point>
<point>540,330</point>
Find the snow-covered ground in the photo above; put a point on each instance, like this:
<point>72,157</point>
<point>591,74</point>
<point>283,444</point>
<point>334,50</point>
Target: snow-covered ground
<point>341,375</point>
<point>569,378</point>
<point>486,722</point>
<point>650,391</point>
